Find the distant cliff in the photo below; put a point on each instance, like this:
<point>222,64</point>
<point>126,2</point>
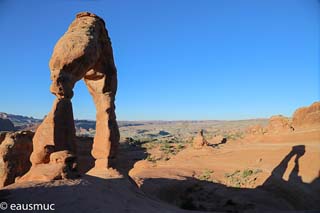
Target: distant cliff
<point>6,125</point>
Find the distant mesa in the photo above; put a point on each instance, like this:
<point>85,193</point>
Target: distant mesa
<point>6,125</point>
<point>21,122</point>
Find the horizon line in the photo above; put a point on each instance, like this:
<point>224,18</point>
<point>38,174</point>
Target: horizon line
<point>159,120</point>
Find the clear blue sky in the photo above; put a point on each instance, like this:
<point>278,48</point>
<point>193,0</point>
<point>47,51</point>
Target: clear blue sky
<point>176,59</point>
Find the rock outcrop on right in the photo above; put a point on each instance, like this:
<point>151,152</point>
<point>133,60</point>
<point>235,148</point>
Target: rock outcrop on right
<point>303,118</point>
<point>306,117</point>
<point>279,124</point>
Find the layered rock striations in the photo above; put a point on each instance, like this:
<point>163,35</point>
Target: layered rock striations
<point>83,52</point>
<point>15,150</point>
<point>305,117</point>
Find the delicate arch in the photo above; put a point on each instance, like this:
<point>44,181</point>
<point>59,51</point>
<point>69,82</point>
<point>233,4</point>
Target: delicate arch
<point>83,52</point>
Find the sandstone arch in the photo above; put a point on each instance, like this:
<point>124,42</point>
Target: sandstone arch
<point>83,52</point>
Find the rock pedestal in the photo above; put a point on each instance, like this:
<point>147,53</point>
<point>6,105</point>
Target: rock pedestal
<point>199,141</point>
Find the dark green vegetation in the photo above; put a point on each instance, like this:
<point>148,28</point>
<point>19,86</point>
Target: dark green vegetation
<point>243,178</point>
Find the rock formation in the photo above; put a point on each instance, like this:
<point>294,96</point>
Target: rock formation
<point>62,165</point>
<point>15,150</point>
<point>255,130</point>
<point>83,52</point>
<point>6,125</point>
<point>307,116</point>
<point>279,124</point>
<point>199,141</point>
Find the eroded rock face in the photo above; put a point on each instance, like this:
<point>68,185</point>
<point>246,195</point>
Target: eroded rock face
<point>199,141</point>
<point>83,52</point>
<point>56,133</point>
<point>62,165</point>
<point>15,150</point>
<point>307,116</point>
<point>279,124</point>
<point>6,125</point>
<point>255,130</point>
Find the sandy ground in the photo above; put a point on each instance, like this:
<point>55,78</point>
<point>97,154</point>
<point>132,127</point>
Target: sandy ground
<point>285,174</point>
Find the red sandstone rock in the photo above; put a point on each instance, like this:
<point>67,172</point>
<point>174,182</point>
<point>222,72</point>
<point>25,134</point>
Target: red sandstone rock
<point>199,141</point>
<point>55,133</point>
<point>62,165</point>
<point>307,116</point>
<point>83,52</point>
<point>15,150</point>
<point>279,124</point>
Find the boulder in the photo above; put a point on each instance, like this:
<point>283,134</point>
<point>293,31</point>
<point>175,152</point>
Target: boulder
<point>62,165</point>
<point>15,150</point>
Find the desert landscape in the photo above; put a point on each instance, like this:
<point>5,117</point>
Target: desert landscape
<point>231,166</point>
<point>64,164</point>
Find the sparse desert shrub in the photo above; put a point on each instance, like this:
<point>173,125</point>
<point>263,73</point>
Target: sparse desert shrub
<point>133,142</point>
<point>167,148</point>
<point>256,171</point>
<point>233,136</point>
<point>180,146</point>
<point>206,175</point>
<point>149,145</point>
<point>246,173</point>
<point>244,178</point>
<point>227,175</point>
<point>150,158</point>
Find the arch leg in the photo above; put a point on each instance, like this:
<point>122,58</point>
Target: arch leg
<point>107,135</point>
